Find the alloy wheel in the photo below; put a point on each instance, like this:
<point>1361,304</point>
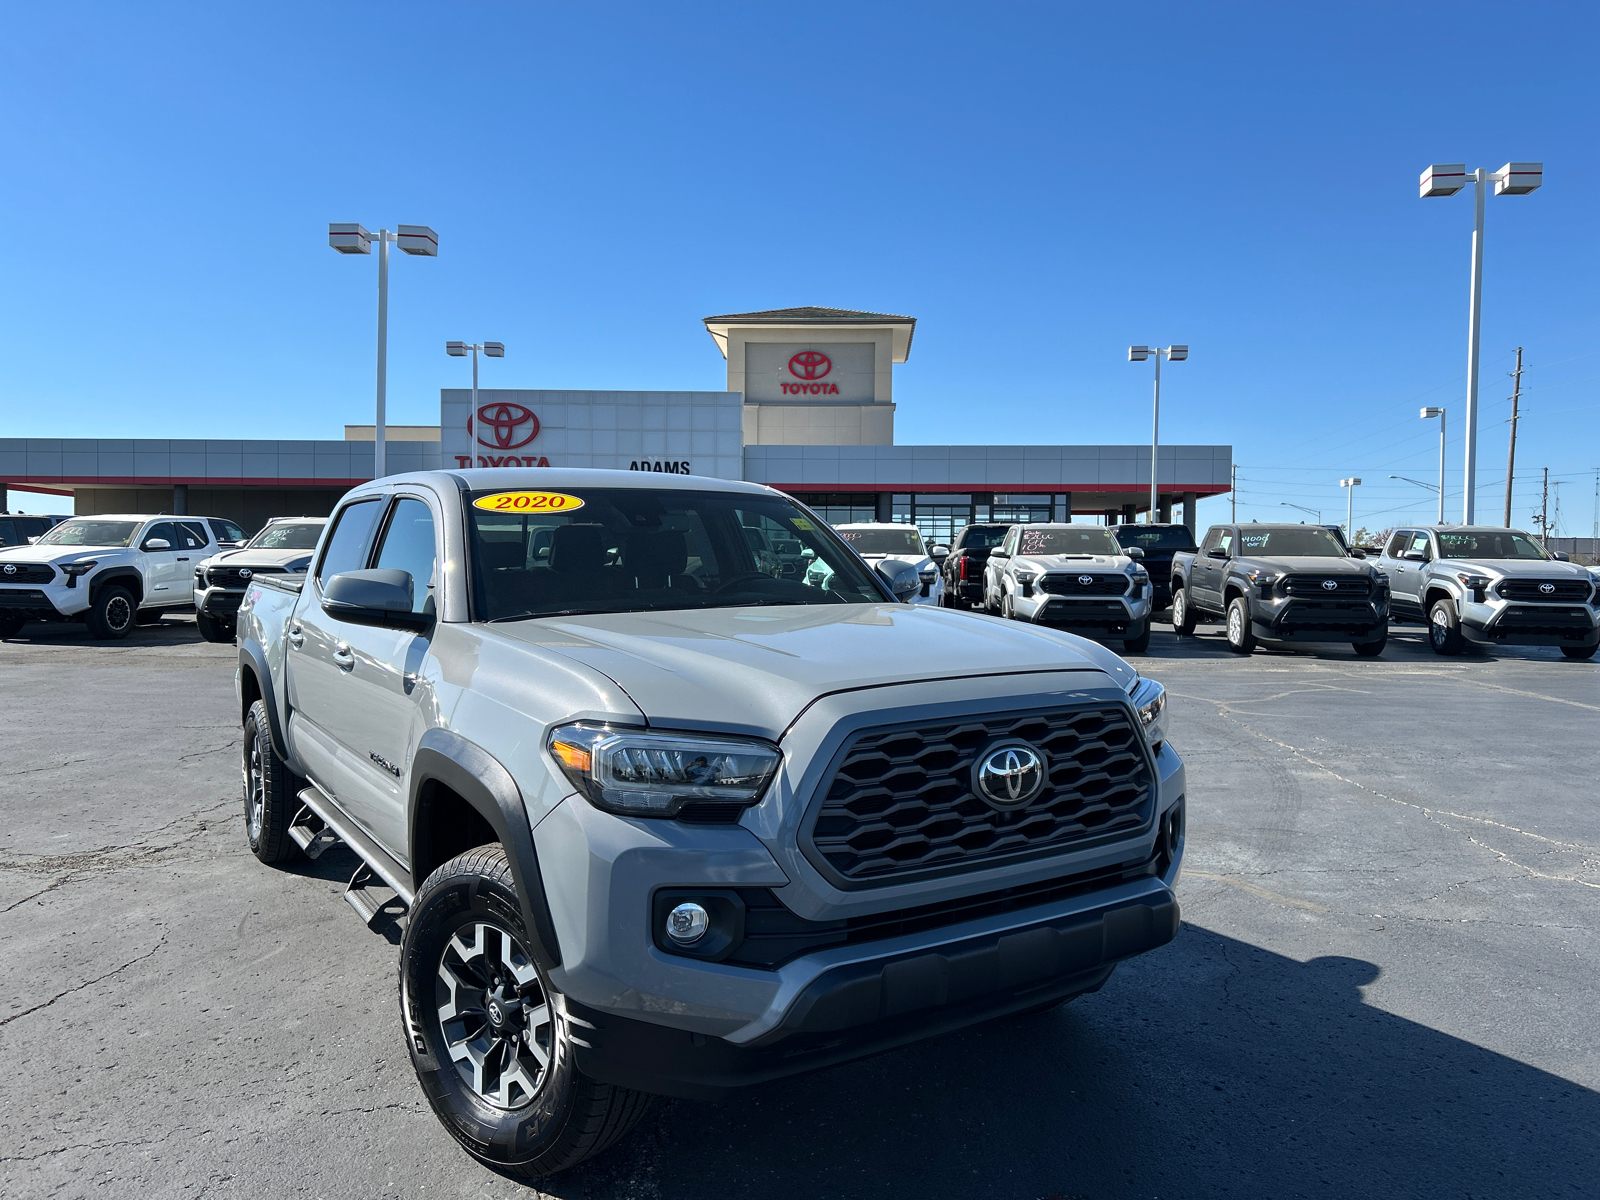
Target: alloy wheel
<point>1439,627</point>
<point>254,795</point>
<point>1235,626</point>
<point>496,1016</point>
<point>118,613</point>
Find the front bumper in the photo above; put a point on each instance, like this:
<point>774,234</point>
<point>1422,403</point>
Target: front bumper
<point>218,602</point>
<point>1522,623</point>
<point>1303,619</point>
<point>49,602</point>
<point>1112,615</point>
<point>866,1007</point>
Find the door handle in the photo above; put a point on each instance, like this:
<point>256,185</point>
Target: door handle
<point>183,558</point>
<point>342,657</point>
<point>295,638</point>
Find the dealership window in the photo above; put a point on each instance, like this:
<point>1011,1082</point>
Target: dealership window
<point>841,508</point>
<point>941,517</point>
<point>1020,509</point>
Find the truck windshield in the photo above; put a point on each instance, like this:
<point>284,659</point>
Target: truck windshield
<point>1299,542</point>
<point>288,536</point>
<point>902,542</point>
<point>88,532</point>
<point>1170,538</point>
<point>1496,543</point>
<point>601,550</point>
<point>983,537</point>
<point>1087,540</point>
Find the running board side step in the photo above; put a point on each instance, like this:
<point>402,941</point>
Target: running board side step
<point>377,869</point>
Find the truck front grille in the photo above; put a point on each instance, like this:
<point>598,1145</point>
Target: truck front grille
<point>230,577</point>
<point>1544,622</point>
<point>1070,583</point>
<point>1565,590</point>
<point>27,573</point>
<point>1316,585</point>
<point>30,599</point>
<point>901,799</point>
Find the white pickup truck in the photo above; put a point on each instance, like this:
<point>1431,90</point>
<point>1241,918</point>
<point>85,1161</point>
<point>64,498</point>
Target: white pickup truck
<point>666,822</point>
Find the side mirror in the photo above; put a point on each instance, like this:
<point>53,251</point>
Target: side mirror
<point>939,554</point>
<point>1414,556</point>
<point>1134,552</point>
<point>156,544</point>
<point>1560,556</point>
<point>382,596</point>
<point>998,553</point>
<point>1217,552</point>
<point>1357,552</point>
<point>901,577</point>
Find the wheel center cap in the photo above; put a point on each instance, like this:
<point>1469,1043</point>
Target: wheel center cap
<point>497,1015</point>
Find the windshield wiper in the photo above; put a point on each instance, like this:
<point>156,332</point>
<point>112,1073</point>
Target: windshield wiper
<point>560,612</point>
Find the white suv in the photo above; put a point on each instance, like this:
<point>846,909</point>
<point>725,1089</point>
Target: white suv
<point>877,542</point>
<point>112,572</point>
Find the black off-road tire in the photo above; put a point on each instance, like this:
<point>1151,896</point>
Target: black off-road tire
<point>212,629</point>
<point>110,614</point>
<point>1241,635</point>
<point>271,792</point>
<point>1444,628</point>
<point>11,625</point>
<point>471,902</point>
<point>1579,653</point>
<point>1183,614</point>
<point>1371,649</point>
<point>1137,643</point>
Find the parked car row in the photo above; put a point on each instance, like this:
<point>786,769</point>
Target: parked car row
<point>114,571</point>
<point>1281,583</point>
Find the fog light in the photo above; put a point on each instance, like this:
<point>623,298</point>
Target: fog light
<point>687,924</point>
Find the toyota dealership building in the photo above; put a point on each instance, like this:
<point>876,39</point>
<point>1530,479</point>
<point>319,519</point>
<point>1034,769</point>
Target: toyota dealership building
<point>809,409</point>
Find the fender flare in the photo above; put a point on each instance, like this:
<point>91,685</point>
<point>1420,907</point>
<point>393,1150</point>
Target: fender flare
<point>444,756</point>
<point>115,575</point>
<point>253,658</point>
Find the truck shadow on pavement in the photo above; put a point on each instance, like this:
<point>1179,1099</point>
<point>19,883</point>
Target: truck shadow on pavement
<point>1209,1068</point>
<point>178,631</point>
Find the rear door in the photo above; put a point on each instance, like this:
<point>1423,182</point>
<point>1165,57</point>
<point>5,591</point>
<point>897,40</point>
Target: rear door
<point>193,544</point>
<point>1208,571</point>
<point>1406,584</point>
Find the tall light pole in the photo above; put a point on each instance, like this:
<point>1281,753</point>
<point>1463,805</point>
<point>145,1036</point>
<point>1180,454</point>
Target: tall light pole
<point>1349,505</point>
<point>350,238</point>
<point>1316,512</point>
<point>462,349</point>
<point>1513,179</point>
<point>1427,415</point>
<point>1139,354</point>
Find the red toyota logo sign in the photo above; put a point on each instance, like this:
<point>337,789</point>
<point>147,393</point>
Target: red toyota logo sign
<point>810,364</point>
<point>503,423</point>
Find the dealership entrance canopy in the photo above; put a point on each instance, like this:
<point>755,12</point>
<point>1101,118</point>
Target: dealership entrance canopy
<point>809,409</point>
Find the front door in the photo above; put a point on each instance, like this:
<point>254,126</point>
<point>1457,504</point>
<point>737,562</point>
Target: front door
<point>1208,572</point>
<point>1405,573</point>
<point>162,584</point>
<point>382,688</point>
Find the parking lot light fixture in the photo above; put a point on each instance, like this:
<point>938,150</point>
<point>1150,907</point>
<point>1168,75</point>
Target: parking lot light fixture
<point>462,349</point>
<point>1140,354</point>
<point>416,240</point>
<point>1316,512</point>
<point>1427,415</point>
<point>1349,504</point>
<point>1446,179</point>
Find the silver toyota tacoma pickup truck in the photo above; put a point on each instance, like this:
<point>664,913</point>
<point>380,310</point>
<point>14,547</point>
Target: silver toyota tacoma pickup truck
<point>664,821</point>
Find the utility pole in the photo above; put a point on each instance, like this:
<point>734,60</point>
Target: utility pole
<point>1544,508</point>
<point>1511,454</point>
<point>1233,495</point>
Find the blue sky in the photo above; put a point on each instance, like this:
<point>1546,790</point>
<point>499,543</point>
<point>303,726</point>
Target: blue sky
<point>1039,184</point>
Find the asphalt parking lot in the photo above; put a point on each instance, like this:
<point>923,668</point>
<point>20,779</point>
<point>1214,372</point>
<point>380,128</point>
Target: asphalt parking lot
<point>1385,983</point>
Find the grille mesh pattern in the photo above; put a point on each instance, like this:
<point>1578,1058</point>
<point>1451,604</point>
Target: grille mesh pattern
<point>1528,589</point>
<point>1066,584</point>
<point>901,800</point>
<point>229,577</point>
<point>27,573</point>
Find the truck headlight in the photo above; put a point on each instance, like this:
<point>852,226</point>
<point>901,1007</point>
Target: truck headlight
<point>1027,579</point>
<point>76,570</point>
<point>1150,702</point>
<point>638,774</point>
<point>1474,583</point>
<point>1265,581</point>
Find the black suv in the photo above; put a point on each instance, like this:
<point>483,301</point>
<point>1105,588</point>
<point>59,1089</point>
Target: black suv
<point>1159,543</point>
<point>963,567</point>
<point>16,529</point>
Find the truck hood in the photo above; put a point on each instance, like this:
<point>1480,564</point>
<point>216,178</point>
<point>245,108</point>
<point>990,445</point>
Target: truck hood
<point>1514,568</point>
<point>1312,564</point>
<point>754,670</point>
<point>58,554</point>
<point>258,558</point>
<point>1096,563</point>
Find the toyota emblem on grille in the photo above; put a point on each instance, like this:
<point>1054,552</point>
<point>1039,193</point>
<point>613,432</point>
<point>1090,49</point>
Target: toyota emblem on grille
<point>10,569</point>
<point>1010,775</point>
<point>1549,589</point>
<point>1330,585</point>
<point>245,573</point>
<point>1086,580</point>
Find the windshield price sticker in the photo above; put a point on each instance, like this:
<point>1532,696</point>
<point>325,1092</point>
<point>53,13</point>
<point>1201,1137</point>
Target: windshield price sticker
<point>801,523</point>
<point>525,502</point>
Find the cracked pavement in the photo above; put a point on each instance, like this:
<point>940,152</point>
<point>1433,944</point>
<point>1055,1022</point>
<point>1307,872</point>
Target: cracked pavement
<point>1384,984</point>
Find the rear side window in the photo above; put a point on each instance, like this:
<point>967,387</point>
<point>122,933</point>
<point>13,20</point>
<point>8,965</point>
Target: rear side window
<point>408,546</point>
<point>226,531</point>
<point>8,533</point>
<point>191,535</point>
<point>347,545</point>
